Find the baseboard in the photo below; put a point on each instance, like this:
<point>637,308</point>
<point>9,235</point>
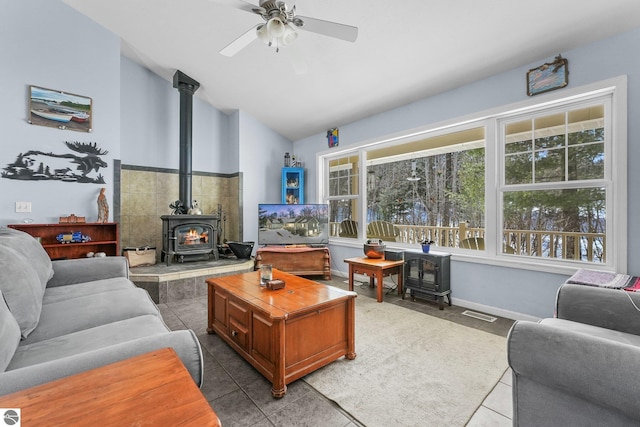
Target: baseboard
<point>507,314</point>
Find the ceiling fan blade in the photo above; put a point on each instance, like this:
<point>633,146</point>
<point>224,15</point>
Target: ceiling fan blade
<point>240,43</point>
<point>328,28</point>
<point>238,4</point>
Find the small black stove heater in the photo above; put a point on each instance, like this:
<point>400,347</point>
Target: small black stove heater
<point>427,275</point>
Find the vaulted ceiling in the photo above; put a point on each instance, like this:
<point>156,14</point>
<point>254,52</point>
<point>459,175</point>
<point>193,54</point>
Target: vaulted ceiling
<point>406,50</point>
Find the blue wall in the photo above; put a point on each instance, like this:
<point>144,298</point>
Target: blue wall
<point>47,44</point>
<point>506,291</point>
<point>150,122</point>
<point>136,116</point>
<point>261,159</point>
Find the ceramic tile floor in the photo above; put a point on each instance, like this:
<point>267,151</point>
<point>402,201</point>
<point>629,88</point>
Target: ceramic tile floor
<point>241,396</point>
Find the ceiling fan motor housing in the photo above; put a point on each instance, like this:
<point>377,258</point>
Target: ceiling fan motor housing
<point>269,9</point>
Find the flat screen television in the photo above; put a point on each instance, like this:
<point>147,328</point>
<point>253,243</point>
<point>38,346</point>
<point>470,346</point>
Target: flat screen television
<point>281,224</point>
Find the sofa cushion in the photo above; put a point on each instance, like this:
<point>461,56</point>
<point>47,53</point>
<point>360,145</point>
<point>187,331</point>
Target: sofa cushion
<point>9,335</point>
<point>82,270</point>
<point>76,314</point>
<point>87,340</point>
<point>31,249</point>
<point>21,288</point>
<point>61,293</point>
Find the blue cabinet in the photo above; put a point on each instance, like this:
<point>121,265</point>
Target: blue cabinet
<point>293,186</point>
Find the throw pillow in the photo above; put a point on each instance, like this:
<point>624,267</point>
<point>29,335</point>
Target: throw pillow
<point>26,245</point>
<point>9,335</point>
<point>21,288</point>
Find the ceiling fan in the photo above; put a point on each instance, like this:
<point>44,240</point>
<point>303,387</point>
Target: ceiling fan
<point>281,24</point>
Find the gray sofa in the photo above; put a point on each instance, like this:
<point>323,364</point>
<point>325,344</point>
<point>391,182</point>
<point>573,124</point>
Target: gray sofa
<point>579,368</point>
<point>63,317</point>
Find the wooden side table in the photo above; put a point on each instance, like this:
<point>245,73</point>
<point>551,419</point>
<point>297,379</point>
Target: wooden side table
<point>151,389</point>
<point>376,269</point>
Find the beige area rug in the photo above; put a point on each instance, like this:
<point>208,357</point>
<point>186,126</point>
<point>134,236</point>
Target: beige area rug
<point>412,369</point>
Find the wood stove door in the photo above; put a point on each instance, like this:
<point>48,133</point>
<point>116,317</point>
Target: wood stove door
<point>188,238</point>
<point>193,238</point>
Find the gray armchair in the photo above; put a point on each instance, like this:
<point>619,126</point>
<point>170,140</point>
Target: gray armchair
<point>581,368</point>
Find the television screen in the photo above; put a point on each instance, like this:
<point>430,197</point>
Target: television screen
<point>306,224</point>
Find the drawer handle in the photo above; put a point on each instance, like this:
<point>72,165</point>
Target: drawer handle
<point>234,333</point>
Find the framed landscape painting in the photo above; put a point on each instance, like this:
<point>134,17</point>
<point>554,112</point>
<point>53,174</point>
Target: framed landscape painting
<point>548,76</point>
<point>58,109</point>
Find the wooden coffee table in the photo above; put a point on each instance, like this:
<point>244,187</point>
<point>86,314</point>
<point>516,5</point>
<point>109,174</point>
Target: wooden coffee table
<point>286,333</point>
<point>375,268</point>
<point>151,389</point>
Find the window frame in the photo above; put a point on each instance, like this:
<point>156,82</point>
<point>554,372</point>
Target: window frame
<point>616,177</point>
<point>605,182</point>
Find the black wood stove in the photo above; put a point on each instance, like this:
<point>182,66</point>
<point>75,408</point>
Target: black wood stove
<point>189,237</point>
<point>185,236</point>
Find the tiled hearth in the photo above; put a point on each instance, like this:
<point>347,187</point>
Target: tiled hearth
<point>146,194</point>
<point>184,281</point>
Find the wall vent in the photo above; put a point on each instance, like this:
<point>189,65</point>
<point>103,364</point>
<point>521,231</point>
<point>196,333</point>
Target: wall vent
<point>479,316</point>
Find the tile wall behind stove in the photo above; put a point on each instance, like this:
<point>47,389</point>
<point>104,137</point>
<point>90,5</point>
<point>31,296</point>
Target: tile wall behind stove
<point>146,193</point>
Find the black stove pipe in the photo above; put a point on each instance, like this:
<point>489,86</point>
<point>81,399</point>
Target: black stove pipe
<point>187,87</point>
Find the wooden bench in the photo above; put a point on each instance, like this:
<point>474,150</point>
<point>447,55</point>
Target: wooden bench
<point>349,229</point>
<point>382,230</point>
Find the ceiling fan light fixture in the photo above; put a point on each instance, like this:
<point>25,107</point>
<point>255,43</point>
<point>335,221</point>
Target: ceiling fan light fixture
<point>290,35</point>
<point>263,34</point>
<point>275,27</point>
<point>281,24</point>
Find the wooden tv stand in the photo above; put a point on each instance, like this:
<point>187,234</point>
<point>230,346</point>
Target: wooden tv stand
<point>301,261</point>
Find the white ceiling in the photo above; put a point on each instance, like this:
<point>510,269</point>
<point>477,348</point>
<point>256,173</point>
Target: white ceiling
<point>406,50</point>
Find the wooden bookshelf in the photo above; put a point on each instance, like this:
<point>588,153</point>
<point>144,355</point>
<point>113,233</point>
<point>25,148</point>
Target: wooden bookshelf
<point>105,237</point>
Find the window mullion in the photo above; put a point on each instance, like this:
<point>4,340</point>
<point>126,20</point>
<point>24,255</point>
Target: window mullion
<point>493,176</point>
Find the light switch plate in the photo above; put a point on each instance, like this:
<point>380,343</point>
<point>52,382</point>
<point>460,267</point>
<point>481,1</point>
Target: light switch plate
<point>23,207</point>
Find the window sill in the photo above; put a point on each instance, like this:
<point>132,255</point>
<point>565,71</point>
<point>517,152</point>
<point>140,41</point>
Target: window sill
<point>482,257</point>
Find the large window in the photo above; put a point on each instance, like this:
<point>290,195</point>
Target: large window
<point>343,184</point>
<point>430,189</point>
<point>555,190</point>
<point>539,184</point>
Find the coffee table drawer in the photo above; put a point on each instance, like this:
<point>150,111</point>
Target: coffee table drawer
<point>238,333</point>
<point>239,322</point>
